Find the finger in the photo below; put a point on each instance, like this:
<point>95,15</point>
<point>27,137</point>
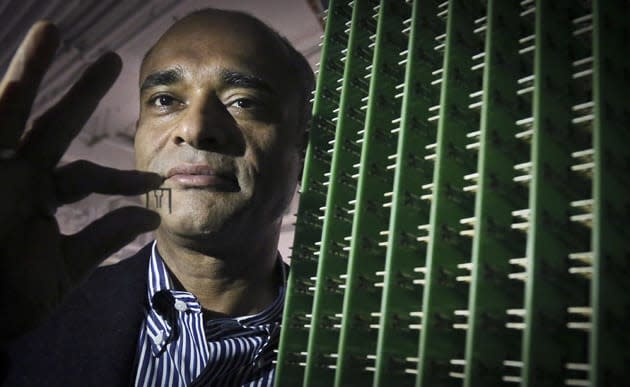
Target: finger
<point>21,81</point>
<point>14,114</point>
<point>52,132</point>
<point>78,179</point>
<point>87,248</point>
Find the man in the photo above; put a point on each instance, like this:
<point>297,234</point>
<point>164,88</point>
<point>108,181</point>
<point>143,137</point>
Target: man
<point>224,108</point>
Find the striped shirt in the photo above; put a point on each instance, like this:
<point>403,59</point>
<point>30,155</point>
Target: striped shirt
<point>177,347</point>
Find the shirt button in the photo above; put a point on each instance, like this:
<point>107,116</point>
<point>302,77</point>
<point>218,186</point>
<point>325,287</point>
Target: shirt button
<point>181,306</point>
<point>159,338</point>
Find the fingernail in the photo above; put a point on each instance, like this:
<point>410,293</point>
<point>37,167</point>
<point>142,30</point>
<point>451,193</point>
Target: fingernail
<point>106,66</point>
<point>141,219</point>
<point>110,58</point>
<point>49,32</point>
<point>153,220</point>
<point>153,180</point>
<point>44,47</point>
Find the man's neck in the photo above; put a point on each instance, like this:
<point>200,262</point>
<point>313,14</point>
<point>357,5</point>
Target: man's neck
<point>240,281</point>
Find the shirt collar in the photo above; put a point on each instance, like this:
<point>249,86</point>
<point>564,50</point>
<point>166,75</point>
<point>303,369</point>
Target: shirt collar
<point>158,329</point>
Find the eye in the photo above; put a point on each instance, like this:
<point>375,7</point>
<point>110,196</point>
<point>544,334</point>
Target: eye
<point>163,100</point>
<point>244,103</point>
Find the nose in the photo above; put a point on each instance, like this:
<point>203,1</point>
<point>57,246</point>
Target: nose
<point>207,125</point>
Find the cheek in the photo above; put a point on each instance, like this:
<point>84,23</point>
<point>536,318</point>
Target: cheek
<point>274,164</point>
<point>147,143</point>
<point>140,148</point>
<point>262,144</point>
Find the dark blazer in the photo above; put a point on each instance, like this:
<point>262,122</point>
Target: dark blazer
<point>91,339</point>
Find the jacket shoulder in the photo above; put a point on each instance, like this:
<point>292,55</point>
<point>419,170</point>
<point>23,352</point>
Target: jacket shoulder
<point>91,338</point>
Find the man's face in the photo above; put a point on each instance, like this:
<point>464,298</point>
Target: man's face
<point>218,120</point>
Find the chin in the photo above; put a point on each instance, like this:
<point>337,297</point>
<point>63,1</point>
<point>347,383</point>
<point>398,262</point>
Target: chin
<point>202,215</point>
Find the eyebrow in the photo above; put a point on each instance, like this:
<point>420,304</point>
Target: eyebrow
<point>162,78</point>
<point>229,77</point>
<point>237,79</point>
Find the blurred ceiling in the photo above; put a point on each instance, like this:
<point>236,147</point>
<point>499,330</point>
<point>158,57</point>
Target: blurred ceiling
<point>130,27</point>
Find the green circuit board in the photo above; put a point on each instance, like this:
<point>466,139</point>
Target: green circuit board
<point>465,196</point>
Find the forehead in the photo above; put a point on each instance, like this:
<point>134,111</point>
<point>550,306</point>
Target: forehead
<point>209,44</point>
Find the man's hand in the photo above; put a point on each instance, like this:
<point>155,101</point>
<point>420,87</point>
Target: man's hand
<point>38,265</point>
